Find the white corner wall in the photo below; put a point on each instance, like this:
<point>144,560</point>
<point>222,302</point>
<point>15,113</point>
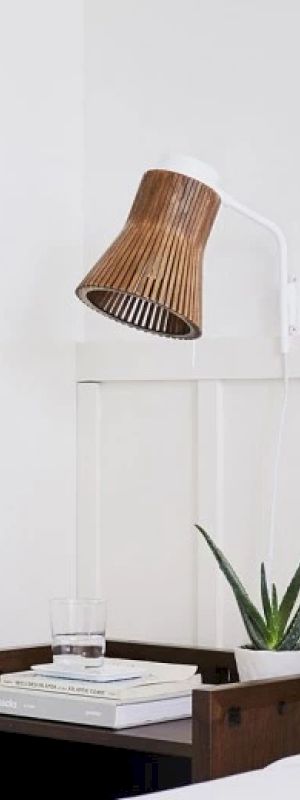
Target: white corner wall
<point>41,154</point>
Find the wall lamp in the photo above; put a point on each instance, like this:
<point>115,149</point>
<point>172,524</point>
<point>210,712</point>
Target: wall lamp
<point>151,276</point>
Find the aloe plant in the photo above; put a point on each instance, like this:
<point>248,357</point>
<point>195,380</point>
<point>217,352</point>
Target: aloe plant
<point>276,627</point>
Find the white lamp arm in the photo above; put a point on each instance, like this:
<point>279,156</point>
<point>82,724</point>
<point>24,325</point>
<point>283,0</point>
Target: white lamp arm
<point>288,307</point>
<point>288,316</point>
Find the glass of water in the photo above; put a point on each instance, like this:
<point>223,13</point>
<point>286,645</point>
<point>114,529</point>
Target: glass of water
<point>78,631</point>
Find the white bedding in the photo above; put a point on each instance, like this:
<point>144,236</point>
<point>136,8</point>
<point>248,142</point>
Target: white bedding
<point>275,782</point>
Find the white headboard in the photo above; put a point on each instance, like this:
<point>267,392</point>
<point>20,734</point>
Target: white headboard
<point>169,435</point>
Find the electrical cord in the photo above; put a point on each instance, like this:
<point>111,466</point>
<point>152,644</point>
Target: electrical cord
<point>274,495</point>
<point>272,531</point>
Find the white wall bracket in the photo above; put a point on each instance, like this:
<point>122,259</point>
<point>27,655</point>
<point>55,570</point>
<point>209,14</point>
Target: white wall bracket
<point>292,305</point>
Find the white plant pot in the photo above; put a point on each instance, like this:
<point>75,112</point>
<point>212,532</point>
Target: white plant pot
<point>256,665</point>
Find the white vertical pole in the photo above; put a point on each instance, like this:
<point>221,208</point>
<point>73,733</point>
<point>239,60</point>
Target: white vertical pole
<point>209,511</point>
<point>287,314</point>
<point>89,578</point>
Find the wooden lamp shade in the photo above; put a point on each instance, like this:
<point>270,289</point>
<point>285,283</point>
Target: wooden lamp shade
<point>151,276</point>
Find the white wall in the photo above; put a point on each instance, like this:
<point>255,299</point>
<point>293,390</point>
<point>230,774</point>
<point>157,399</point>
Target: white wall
<point>41,152</point>
<point>218,81</point>
<point>211,79</point>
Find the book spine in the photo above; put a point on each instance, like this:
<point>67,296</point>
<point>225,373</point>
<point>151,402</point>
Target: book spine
<point>51,685</point>
<point>85,711</point>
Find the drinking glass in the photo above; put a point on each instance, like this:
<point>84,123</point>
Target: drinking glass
<point>78,630</point>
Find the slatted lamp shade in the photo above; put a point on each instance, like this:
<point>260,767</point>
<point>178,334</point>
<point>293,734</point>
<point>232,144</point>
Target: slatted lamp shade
<point>151,276</point>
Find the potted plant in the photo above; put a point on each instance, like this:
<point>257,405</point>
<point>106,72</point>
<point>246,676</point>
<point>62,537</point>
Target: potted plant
<point>274,635</point>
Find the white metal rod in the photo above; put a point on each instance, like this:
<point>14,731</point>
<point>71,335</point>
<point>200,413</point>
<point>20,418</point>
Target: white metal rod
<point>281,241</point>
<point>285,340</point>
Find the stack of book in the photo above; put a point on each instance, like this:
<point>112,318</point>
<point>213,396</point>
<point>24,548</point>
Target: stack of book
<point>119,694</point>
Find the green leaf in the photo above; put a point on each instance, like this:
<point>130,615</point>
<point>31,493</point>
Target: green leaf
<point>274,600</point>
<point>265,594</point>
<point>291,639</point>
<point>274,635</point>
<point>240,593</point>
<point>257,640</point>
<point>289,600</point>
<point>274,632</point>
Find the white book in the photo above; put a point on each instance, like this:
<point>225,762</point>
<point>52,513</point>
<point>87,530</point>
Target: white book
<point>122,691</point>
<point>140,705</point>
<point>117,669</point>
<point>109,671</point>
<point>152,673</point>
